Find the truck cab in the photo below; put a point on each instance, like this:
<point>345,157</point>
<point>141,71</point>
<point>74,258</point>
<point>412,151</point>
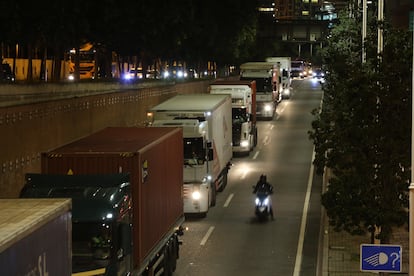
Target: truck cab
<point>268,93</point>
<point>199,191</point>
<point>207,142</point>
<point>101,218</point>
<point>243,97</point>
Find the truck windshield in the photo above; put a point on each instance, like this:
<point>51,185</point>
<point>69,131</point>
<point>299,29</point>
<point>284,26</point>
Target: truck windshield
<point>239,115</point>
<point>91,245</point>
<point>262,84</point>
<point>194,152</point>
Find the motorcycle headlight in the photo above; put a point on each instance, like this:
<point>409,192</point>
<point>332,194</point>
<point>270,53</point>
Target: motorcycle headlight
<point>257,201</point>
<point>266,201</point>
<point>196,195</point>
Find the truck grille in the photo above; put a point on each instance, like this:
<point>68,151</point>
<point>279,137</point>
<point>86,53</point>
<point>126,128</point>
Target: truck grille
<point>186,191</point>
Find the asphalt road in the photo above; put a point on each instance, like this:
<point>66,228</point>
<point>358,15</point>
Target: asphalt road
<point>230,240</point>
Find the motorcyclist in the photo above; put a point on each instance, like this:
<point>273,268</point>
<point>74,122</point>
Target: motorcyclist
<point>265,187</point>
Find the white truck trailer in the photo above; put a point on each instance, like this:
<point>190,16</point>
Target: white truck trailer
<point>243,95</point>
<point>267,86</point>
<point>207,138</point>
<point>35,237</point>
<point>285,78</point>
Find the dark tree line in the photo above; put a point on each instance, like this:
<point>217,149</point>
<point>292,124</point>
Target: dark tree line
<point>363,132</point>
<point>195,31</point>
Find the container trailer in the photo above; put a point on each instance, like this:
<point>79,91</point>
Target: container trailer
<point>126,187</point>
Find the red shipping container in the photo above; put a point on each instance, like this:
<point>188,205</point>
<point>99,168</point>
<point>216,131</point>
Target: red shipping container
<point>154,159</point>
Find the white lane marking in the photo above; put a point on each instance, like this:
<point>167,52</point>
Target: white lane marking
<point>266,140</point>
<point>283,108</point>
<point>207,235</point>
<point>227,203</point>
<point>298,261</point>
<point>271,127</point>
<point>256,154</point>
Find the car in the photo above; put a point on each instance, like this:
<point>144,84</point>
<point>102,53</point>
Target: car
<point>7,74</point>
<point>133,74</point>
<point>319,74</point>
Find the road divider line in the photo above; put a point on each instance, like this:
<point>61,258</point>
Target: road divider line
<point>266,140</point>
<point>256,154</point>
<point>298,261</point>
<point>207,235</point>
<point>226,204</point>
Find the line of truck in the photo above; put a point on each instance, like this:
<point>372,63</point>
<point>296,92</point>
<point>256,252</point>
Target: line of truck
<point>131,187</point>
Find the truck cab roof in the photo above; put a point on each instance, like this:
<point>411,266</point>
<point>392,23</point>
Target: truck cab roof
<point>104,191</point>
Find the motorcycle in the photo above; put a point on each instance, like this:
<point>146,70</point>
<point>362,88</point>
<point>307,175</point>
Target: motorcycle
<point>262,205</point>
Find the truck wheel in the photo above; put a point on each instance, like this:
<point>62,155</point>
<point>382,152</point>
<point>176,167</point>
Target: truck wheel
<point>173,254</point>
<point>255,137</point>
<point>221,186</point>
<point>223,182</point>
<point>213,194</point>
<point>167,262</point>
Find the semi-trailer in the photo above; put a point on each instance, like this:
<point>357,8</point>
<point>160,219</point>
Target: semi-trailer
<point>267,86</point>
<point>243,97</point>
<point>207,138</point>
<point>35,237</point>
<point>126,188</point>
<point>285,74</point>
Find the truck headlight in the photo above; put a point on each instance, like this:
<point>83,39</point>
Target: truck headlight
<point>244,143</point>
<point>267,108</point>
<point>196,195</point>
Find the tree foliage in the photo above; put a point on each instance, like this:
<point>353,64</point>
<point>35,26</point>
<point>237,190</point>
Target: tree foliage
<point>196,31</point>
<point>362,134</point>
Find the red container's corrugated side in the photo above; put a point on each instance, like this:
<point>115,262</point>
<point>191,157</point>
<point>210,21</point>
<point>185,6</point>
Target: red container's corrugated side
<point>154,159</point>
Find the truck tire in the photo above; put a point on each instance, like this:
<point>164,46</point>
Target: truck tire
<point>255,137</point>
<point>174,253</point>
<point>223,182</point>
<point>213,194</point>
<point>167,262</point>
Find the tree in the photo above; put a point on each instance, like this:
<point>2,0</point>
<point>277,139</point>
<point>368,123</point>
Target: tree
<point>362,133</point>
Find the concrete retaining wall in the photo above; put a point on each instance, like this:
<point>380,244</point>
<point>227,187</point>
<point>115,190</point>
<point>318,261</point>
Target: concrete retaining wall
<point>28,129</point>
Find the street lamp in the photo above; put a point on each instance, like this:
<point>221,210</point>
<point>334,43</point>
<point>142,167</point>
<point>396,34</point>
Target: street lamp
<point>411,188</point>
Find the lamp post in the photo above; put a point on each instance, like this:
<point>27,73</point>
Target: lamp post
<point>364,29</point>
<point>411,188</point>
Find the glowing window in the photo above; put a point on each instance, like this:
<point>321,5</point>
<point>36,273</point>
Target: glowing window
<point>305,12</point>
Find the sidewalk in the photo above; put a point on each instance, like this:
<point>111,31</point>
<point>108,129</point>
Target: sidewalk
<point>342,252</point>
